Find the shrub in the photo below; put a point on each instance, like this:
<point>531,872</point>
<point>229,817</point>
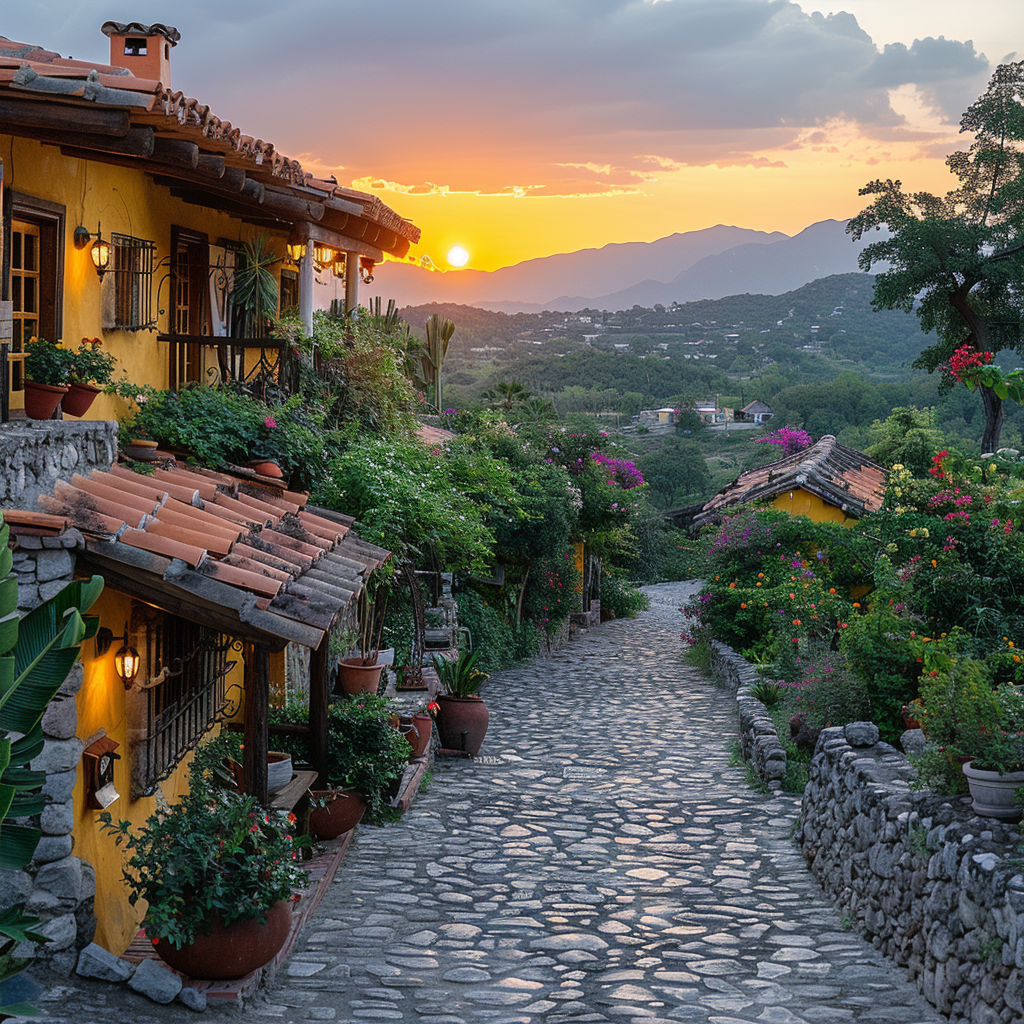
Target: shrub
<point>620,597</point>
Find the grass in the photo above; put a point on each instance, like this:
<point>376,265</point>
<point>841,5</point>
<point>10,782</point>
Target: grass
<point>699,656</point>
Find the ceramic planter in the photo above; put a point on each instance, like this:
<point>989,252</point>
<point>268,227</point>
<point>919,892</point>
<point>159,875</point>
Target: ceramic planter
<point>343,811</point>
<point>462,723</point>
<point>994,794</point>
<point>417,730</point>
<point>41,400</point>
<point>78,399</point>
<point>232,951</point>
<point>279,770</point>
<point>264,467</point>
<point>354,677</point>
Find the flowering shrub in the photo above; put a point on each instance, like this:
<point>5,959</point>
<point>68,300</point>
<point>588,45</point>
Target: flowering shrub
<point>620,472</point>
<point>213,856</point>
<point>789,439</point>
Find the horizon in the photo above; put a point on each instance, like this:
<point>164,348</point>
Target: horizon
<point>516,132</point>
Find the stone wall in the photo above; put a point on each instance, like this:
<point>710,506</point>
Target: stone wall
<point>759,739</point>
<point>35,454</point>
<point>934,887</point>
<point>57,887</point>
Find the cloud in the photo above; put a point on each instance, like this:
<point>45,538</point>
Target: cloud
<point>566,93</point>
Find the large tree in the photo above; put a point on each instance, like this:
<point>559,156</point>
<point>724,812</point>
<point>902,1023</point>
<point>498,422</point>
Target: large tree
<point>958,260</point>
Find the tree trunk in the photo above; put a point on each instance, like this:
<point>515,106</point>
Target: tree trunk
<point>993,406</point>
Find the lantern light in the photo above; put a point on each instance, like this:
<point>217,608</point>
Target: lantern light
<point>366,266</point>
<point>100,251</point>
<point>323,256</point>
<point>127,662</point>
<point>296,250</point>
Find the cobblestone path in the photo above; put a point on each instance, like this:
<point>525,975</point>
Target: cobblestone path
<point>602,861</point>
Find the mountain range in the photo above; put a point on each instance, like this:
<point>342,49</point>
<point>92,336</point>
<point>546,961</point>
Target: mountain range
<point>706,264</point>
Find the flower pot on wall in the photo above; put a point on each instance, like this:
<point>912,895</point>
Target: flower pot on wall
<point>343,810</point>
<point>264,467</point>
<point>994,794</point>
<point>78,399</point>
<point>354,677</point>
<point>417,730</point>
<point>462,723</point>
<point>232,951</point>
<point>41,400</point>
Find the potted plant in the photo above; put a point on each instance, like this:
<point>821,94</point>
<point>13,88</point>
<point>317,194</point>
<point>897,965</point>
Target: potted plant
<point>264,453</point>
<point>996,744</point>
<point>462,715</point>
<point>361,673</point>
<point>47,374</point>
<point>365,759</point>
<point>91,371</point>
<point>218,873</point>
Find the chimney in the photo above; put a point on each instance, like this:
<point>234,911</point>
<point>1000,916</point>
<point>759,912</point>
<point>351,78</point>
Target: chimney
<point>145,50</point>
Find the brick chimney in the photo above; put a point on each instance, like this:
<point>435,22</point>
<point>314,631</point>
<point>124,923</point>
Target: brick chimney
<point>145,50</point>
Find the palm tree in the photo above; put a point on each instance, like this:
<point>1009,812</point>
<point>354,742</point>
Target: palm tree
<point>506,395</point>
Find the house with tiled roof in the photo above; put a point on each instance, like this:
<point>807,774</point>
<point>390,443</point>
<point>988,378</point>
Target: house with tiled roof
<point>128,209</point>
<point>826,482</point>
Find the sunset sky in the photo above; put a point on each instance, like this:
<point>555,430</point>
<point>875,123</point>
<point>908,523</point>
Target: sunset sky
<point>521,128</point>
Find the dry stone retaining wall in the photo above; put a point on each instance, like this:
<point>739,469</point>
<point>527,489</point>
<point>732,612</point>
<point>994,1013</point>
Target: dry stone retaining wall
<point>934,887</point>
<point>35,454</point>
<point>759,739</point>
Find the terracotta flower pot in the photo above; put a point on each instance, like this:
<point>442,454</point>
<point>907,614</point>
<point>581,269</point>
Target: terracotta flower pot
<point>417,730</point>
<point>264,467</point>
<point>344,810</point>
<point>232,951</point>
<point>354,677</point>
<point>42,399</point>
<point>994,794</point>
<point>78,399</point>
<point>462,723</point>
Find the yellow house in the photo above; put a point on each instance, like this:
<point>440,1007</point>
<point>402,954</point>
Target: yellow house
<point>127,210</point>
<point>826,482</point>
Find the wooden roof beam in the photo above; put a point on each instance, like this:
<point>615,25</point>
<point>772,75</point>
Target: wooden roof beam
<point>18,113</point>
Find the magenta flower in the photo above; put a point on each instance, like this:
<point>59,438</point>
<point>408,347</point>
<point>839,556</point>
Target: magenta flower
<point>270,423</point>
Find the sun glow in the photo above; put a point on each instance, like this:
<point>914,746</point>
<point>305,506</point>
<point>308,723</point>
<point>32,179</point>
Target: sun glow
<point>457,256</point>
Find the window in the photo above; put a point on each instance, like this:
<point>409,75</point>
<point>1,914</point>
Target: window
<point>182,685</point>
<point>32,277</point>
<point>288,292</point>
<point>190,307</point>
<point>132,270</point>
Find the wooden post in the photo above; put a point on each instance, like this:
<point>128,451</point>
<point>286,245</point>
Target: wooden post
<point>351,282</point>
<point>319,699</point>
<point>306,290</point>
<point>257,706</point>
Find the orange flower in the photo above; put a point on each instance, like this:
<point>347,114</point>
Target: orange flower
<point>743,605</point>
<point>856,604</point>
<point>792,597</point>
<point>760,575</point>
<point>796,622</point>
<point>732,585</point>
<point>831,590</point>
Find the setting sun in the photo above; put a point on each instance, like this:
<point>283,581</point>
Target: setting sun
<point>457,256</point>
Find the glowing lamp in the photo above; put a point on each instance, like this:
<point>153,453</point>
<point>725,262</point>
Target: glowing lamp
<point>127,662</point>
<point>100,251</point>
<point>296,251</point>
<point>366,266</point>
<point>323,256</point>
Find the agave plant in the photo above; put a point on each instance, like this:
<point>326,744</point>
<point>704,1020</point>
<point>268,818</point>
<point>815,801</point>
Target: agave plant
<point>36,655</point>
<point>439,336</point>
<point>461,677</point>
<point>255,290</point>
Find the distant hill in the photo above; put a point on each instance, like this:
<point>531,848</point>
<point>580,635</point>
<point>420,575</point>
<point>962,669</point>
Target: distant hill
<point>694,265</point>
<point>531,286</point>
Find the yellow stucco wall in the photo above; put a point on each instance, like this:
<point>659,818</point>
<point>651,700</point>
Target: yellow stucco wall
<point>799,502</point>
<point>126,201</point>
<point>102,703</point>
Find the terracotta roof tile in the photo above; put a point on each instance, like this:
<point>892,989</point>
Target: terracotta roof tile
<point>115,496</point>
<point>188,521</point>
<point>214,543</point>
<point>248,513</point>
<point>207,488</point>
<point>167,546</point>
<point>840,476</point>
<point>255,582</point>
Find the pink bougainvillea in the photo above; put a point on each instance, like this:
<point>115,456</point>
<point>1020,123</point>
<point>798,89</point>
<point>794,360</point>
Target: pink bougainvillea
<point>789,439</point>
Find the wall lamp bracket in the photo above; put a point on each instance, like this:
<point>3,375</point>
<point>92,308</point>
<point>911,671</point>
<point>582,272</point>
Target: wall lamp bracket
<point>100,251</point>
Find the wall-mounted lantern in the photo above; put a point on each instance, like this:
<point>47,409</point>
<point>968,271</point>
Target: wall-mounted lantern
<point>100,251</point>
<point>127,660</point>
<point>296,251</point>
<point>366,266</point>
<point>323,256</point>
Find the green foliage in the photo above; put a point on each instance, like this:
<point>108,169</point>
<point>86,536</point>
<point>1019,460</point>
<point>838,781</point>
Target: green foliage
<point>220,425</point>
<point>954,259</point>
<point>905,438</point>
<point>620,597</point>
<point>460,677</point>
<point>492,625</point>
<point>767,692</point>
<point>91,365</point>
<point>255,286</point>
<point>213,855</point>
<point>48,363</point>
<point>677,474</point>
<point>364,751</point>
<point>439,335</point>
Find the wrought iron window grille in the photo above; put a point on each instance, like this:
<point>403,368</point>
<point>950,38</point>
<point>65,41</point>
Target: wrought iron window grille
<point>131,267</point>
<point>184,693</point>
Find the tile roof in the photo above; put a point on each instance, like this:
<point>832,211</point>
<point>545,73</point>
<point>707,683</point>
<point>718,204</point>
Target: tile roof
<point>233,549</point>
<point>31,73</point>
<point>840,476</point>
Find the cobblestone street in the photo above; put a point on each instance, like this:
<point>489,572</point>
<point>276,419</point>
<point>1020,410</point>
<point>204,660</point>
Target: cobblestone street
<point>601,861</point>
